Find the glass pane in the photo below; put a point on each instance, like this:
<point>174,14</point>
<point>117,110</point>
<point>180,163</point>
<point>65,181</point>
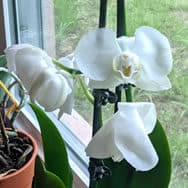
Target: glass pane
<point>73,18</point>
<point>70,19</point>
<point>30,22</point>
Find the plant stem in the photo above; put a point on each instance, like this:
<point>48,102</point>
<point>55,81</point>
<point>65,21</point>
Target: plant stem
<point>102,16</point>
<point>86,91</point>
<point>97,111</point>
<point>121,19</point>
<point>128,93</point>
<point>65,68</point>
<point>121,31</point>
<point>118,94</point>
<point>97,123</point>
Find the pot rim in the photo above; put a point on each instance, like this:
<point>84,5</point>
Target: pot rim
<point>35,151</point>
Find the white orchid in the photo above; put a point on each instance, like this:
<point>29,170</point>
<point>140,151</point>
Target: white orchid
<point>51,89</point>
<point>144,60</point>
<point>125,136</point>
<point>27,62</point>
<point>45,84</point>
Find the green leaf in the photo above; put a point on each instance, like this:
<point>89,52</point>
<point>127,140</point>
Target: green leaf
<point>44,178</point>
<point>56,160</point>
<point>124,176</point>
<point>3,61</point>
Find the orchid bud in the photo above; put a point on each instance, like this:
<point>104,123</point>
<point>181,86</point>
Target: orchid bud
<point>50,90</point>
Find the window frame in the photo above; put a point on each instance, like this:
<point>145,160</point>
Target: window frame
<point>2,29</point>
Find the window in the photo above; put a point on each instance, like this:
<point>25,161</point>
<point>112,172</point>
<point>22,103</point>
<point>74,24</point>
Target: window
<point>56,26</point>
<point>29,25</point>
<point>2,30</point>
<point>33,22</point>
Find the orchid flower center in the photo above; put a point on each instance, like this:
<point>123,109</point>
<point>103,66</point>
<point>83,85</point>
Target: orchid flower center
<point>129,64</point>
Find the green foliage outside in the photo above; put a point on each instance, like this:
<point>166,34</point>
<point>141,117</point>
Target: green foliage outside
<point>76,17</point>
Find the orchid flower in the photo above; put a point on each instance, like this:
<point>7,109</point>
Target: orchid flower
<point>50,90</point>
<point>144,60</point>
<point>27,62</point>
<point>44,83</point>
<point>125,136</point>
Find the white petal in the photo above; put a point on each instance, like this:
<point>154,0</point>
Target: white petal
<point>111,82</point>
<point>154,50</point>
<point>35,52</point>
<point>86,80</point>
<point>102,144</point>
<point>68,60</point>
<point>67,106</point>
<point>126,43</point>
<point>146,111</point>
<point>150,83</point>
<point>50,90</point>
<point>94,53</point>
<point>28,68</point>
<point>124,136</point>
<point>32,50</point>
<point>132,140</point>
<point>10,54</point>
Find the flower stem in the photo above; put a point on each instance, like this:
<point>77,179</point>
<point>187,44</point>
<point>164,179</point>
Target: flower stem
<point>65,68</point>
<point>102,16</point>
<point>86,91</point>
<point>128,93</point>
<point>97,123</point>
<point>97,168</point>
<point>121,18</point>
<point>121,31</point>
<point>97,111</point>
<point>118,92</point>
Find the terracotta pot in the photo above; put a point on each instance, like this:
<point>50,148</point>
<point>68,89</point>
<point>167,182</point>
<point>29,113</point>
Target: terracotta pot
<point>23,177</point>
